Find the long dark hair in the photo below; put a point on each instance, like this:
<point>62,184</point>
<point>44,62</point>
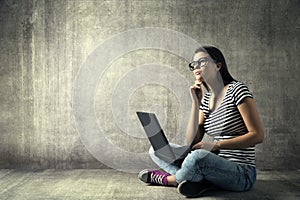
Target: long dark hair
<point>218,57</point>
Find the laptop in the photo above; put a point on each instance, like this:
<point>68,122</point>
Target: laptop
<point>159,141</point>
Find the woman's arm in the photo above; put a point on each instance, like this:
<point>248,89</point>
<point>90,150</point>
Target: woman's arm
<point>252,121</point>
<point>195,131</point>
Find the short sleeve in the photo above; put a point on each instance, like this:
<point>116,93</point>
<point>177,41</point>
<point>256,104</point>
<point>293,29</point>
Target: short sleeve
<point>241,91</point>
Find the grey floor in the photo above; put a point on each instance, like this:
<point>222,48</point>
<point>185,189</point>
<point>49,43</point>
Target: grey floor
<point>111,184</point>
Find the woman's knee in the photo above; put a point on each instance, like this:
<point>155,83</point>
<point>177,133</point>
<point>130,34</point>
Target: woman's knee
<point>195,157</point>
<point>199,154</point>
<point>151,150</point>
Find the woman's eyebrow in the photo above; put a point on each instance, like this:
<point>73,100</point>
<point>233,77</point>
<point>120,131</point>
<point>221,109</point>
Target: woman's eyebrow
<point>200,58</point>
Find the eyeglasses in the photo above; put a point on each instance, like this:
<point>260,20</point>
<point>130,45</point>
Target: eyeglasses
<point>201,63</point>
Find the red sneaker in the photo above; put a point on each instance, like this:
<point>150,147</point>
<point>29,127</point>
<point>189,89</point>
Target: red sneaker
<point>155,177</point>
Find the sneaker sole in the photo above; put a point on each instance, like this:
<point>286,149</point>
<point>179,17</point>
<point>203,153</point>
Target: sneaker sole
<point>143,175</point>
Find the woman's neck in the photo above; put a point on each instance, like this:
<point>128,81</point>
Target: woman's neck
<point>216,86</point>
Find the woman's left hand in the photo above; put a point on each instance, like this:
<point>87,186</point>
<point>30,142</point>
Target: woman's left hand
<point>209,146</point>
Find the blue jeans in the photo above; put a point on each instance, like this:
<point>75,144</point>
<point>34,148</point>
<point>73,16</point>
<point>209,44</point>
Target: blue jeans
<point>201,164</point>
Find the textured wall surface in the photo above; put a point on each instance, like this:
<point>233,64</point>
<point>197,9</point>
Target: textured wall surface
<point>44,43</point>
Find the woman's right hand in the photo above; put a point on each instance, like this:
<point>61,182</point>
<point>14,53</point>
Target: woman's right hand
<point>196,92</point>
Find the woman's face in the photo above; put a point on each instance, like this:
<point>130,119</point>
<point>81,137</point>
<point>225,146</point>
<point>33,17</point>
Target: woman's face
<point>206,71</point>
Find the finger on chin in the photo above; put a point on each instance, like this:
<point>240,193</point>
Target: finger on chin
<point>197,81</point>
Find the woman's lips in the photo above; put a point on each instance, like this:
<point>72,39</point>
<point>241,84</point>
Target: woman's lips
<point>197,73</point>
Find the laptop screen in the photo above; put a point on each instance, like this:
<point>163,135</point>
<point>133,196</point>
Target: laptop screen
<point>153,130</point>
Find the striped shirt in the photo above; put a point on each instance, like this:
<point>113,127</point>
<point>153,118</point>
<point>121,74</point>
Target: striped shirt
<point>226,122</point>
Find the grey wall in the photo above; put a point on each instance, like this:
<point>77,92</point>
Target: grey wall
<point>44,43</point>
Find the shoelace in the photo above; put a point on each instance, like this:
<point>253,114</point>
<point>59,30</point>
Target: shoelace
<point>157,178</point>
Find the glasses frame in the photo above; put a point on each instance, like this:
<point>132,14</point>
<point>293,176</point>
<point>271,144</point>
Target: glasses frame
<point>202,62</point>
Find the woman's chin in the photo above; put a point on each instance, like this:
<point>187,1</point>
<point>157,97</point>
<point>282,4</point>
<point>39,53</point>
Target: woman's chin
<point>199,78</point>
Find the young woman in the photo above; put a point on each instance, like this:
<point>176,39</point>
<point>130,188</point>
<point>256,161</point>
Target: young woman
<point>229,115</point>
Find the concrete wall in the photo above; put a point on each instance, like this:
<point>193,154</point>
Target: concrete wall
<point>45,43</point>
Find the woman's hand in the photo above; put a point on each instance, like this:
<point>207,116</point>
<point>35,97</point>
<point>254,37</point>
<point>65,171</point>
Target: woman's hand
<point>196,92</point>
<point>209,146</point>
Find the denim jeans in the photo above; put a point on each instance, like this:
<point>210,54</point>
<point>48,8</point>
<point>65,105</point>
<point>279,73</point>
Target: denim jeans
<point>201,164</point>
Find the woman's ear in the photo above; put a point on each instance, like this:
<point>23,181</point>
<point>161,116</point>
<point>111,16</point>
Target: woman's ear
<point>219,65</point>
